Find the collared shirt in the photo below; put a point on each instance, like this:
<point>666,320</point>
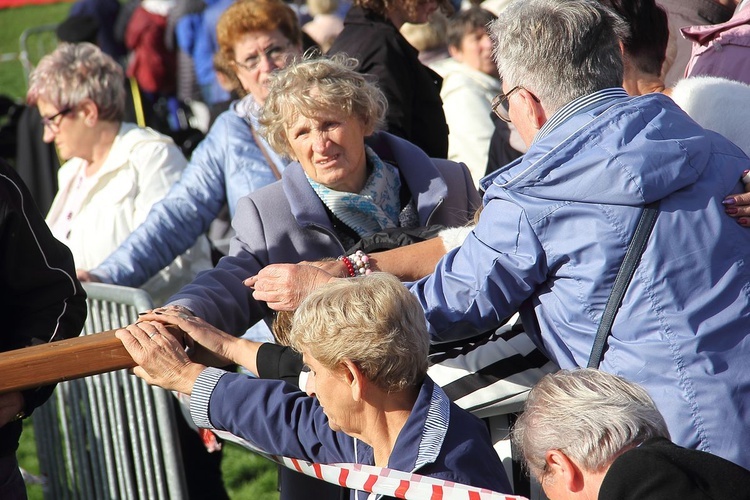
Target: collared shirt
<point>579,105</point>
<point>574,107</point>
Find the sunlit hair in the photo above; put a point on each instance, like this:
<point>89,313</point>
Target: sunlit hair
<point>589,415</point>
<point>372,321</point>
<point>381,6</point>
<point>466,22</point>
<point>646,43</point>
<point>281,326</point>
<point>248,16</point>
<point>427,36</point>
<point>74,72</point>
<point>318,86</point>
<point>316,7</point>
<point>559,49</point>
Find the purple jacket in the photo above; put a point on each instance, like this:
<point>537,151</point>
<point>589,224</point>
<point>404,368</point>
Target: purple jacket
<point>721,49</point>
<point>287,222</point>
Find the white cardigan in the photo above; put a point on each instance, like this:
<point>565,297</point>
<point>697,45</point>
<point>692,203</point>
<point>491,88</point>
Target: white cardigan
<point>467,96</point>
<point>139,170</point>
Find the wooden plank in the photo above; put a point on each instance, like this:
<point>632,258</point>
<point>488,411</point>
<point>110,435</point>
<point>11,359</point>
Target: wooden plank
<point>67,359</point>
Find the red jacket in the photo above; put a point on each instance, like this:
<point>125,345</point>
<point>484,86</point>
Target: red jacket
<point>152,65</point>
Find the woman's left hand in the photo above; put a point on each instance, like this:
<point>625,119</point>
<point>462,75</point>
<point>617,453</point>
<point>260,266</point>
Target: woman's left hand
<point>160,357</point>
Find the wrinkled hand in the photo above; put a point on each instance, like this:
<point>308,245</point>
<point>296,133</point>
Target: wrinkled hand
<point>10,404</point>
<point>284,286</point>
<point>738,205</point>
<point>84,275</point>
<point>212,346</point>
<point>160,357</point>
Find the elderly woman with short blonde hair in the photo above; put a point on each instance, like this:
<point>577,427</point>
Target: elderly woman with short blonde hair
<point>347,182</point>
<point>366,344</point>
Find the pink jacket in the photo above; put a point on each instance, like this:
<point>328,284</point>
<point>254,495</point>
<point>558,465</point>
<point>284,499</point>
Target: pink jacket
<point>721,49</point>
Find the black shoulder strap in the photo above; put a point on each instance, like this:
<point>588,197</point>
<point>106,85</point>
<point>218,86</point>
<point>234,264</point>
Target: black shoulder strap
<point>622,281</point>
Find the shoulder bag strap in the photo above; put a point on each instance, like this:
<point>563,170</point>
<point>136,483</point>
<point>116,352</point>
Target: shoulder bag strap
<point>622,281</point>
<point>271,164</point>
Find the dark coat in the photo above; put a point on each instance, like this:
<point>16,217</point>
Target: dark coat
<point>40,298</point>
<point>660,470</point>
<point>415,111</point>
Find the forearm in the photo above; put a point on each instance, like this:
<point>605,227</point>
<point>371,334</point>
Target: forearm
<point>411,262</point>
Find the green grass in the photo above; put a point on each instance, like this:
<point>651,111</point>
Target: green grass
<point>14,22</point>
<point>246,475</point>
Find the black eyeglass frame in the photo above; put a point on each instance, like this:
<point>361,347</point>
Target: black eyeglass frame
<point>501,99</point>
<point>49,121</point>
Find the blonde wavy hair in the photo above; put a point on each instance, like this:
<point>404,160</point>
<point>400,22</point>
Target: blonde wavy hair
<point>372,321</point>
<point>319,85</point>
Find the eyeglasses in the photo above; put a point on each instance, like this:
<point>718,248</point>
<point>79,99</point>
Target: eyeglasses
<point>52,122</point>
<point>500,105</point>
<point>276,54</point>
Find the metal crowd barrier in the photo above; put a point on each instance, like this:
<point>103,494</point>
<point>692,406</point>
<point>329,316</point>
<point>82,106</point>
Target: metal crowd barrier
<point>110,436</point>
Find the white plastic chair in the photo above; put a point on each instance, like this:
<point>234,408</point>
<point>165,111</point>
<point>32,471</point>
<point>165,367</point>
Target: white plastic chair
<point>110,436</point>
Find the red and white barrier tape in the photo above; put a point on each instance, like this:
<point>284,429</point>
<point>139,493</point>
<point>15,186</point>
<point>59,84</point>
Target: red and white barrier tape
<point>380,480</point>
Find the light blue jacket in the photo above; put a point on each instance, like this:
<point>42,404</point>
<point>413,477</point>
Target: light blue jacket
<point>553,233</point>
<point>226,166</point>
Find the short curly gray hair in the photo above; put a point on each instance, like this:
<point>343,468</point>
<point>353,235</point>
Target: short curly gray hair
<point>372,321</point>
<point>589,415</point>
<point>559,49</point>
<point>75,72</point>
<point>318,85</point>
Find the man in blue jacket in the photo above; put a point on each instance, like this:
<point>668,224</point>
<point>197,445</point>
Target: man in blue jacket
<point>557,222</point>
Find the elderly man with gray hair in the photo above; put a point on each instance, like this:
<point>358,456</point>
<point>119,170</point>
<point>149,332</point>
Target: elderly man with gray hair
<point>589,434</point>
<point>557,223</point>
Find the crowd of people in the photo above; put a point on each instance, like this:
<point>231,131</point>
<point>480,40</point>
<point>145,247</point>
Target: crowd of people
<point>523,193</point>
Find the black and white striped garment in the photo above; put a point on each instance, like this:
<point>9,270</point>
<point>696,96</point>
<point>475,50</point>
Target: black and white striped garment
<point>490,375</point>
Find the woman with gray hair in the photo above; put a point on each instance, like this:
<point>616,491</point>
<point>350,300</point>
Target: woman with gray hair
<point>366,344</point>
<point>587,432</point>
<point>114,171</point>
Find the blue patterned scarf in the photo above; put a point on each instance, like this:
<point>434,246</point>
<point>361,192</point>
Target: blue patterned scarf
<point>374,208</point>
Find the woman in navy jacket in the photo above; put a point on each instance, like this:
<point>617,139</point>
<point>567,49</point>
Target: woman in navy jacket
<point>366,344</point>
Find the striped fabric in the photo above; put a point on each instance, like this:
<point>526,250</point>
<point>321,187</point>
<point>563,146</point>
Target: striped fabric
<point>379,480</point>
<point>578,105</point>
<point>435,429</point>
<point>493,374</point>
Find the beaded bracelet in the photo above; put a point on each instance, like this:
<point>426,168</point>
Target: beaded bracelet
<point>361,263</point>
<point>357,264</point>
<point>349,265</point>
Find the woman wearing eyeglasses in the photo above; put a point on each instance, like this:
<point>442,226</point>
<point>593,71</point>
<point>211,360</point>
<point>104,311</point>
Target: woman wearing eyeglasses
<point>114,171</point>
<point>256,38</point>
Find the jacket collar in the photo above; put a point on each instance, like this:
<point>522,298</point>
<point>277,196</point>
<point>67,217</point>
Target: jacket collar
<point>427,186</point>
<point>420,441</point>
